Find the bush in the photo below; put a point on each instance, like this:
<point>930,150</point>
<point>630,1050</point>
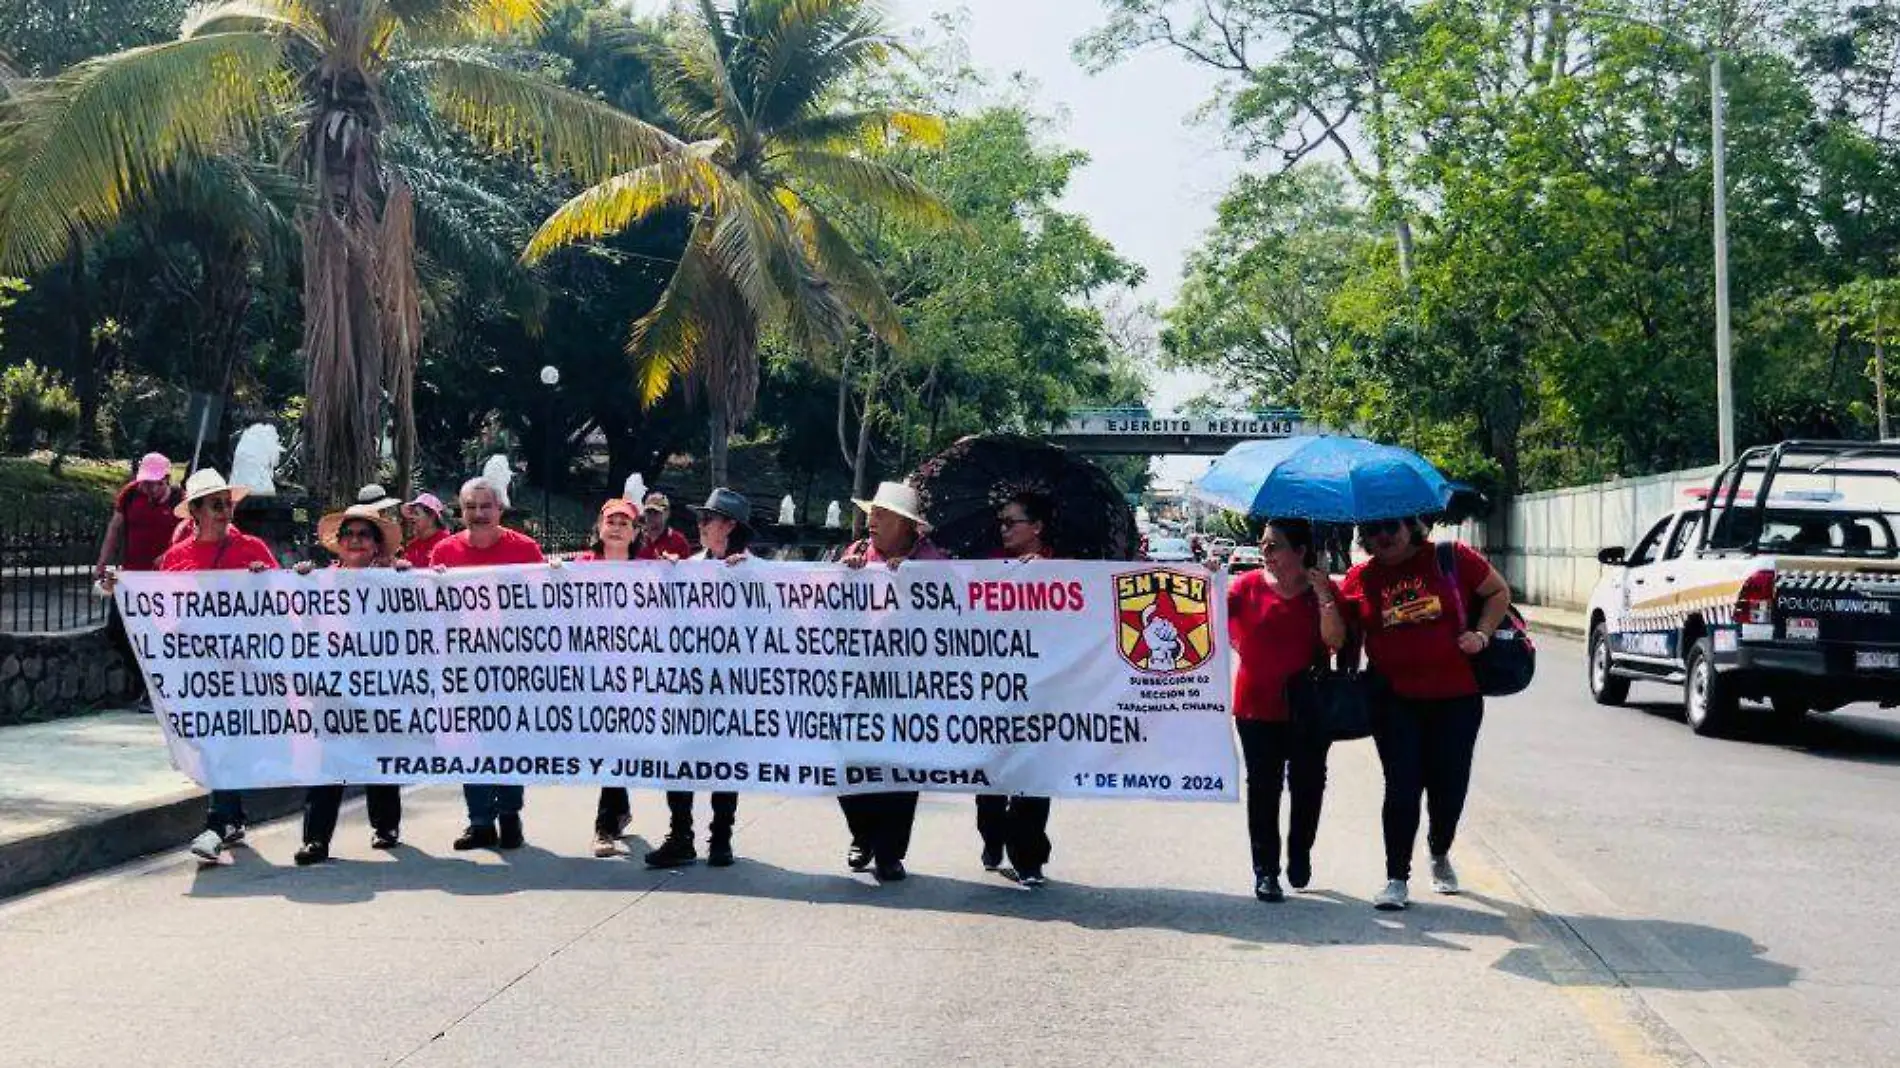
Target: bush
<point>36,407</point>
<point>145,414</point>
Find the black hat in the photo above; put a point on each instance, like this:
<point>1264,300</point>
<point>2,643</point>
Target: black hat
<point>728,503</point>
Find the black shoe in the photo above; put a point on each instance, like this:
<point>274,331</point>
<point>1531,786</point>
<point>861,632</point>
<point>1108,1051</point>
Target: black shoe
<point>677,851</point>
<point>1268,889</point>
<point>859,858</point>
<point>312,853</point>
<point>891,871</point>
<point>1299,872</point>
<point>510,837</point>
<point>992,857</point>
<point>1031,877</point>
<point>384,840</point>
<point>719,853</point>
<point>477,838</point>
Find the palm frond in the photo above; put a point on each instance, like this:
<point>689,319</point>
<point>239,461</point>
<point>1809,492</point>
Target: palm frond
<point>75,149</point>
<point>871,183</point>
<point>252,16</point>
<point>447,20</point>
<point>509,110</point>
<point>665,343</point>
<point>837,260</point>
<point>695,81</point>
<point>811,48</point>
<point>687,177</point>
<point>876,128</point>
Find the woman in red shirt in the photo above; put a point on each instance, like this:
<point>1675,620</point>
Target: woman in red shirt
<point>613,540</point>
<point>1281,621</point>
<point>1406,607</point>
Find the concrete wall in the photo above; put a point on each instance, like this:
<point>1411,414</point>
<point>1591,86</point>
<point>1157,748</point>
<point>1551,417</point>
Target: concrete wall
<point>1546,543</point>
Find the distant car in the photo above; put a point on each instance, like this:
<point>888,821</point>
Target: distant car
<point>1170,551</point>
<point>1245,558</point>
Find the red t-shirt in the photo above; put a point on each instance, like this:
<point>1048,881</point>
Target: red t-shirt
<point>1409,619</point>
<point>148,526</point>
<point>671,543</point>
<point>237,552</point>
<point>420,550</point>
<point>1276,637</point>
<point>513,548</point>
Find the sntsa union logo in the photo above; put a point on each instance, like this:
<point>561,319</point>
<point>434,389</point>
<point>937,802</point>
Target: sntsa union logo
<point>1162,621</point>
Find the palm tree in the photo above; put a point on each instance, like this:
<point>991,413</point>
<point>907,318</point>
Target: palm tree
<point>308,82</point>
<point>753,85</point>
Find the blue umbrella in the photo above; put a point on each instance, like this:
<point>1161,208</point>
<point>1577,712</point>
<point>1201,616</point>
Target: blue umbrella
<point>1325,479</point>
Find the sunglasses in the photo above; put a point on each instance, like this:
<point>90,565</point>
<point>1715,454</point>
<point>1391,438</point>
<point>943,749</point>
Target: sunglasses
<point>352,533</point>
<point>1384,528</point>
<point>215,504</point>
<point>1009,523</point>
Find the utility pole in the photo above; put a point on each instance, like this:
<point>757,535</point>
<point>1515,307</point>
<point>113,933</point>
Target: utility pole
<point>1724,354</point>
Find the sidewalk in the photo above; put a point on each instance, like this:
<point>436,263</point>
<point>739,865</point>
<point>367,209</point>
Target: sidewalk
<point>89,792</point>
<point>1557,622</point>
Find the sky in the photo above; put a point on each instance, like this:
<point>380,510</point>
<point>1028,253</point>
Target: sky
<point>1155,175</point>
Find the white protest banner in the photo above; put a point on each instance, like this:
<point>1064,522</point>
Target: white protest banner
<point>1047,677</point>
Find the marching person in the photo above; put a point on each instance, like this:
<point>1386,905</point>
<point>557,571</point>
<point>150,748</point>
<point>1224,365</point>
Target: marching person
<point>725,529</point>
<point>494,811</point>
<point>1018,824</point>
<point>214,545</point>
<point>1281,620</point>
<point>614,536</point>
<point>359,536</point>
<point>1405,607</point>
<point>423,521</point>
<point>137,535</point>
<point>656,540</point>
<point>880,823</point>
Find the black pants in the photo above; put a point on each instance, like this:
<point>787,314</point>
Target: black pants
<point>881,822</point>
<point>679,806</point>
<point>1425,748</point>
<point>321,803</point>
<point>610,814</point>
<point>1281,754</point>
<point>1017,823</point>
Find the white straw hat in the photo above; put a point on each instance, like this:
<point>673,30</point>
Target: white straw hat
<point>205,482</point>
<point>898,499</point>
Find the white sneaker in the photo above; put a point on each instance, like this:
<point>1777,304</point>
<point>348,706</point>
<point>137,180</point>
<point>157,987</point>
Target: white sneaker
<point>1394,897</point>
<point>1444,876</point>
<point>208,846</point>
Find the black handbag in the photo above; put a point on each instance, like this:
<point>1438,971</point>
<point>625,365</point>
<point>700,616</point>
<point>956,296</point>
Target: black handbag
<point>1329,703</point>
<point>1508,662</point>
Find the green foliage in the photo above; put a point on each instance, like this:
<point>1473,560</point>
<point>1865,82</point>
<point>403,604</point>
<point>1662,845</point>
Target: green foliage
<point>37,409</point>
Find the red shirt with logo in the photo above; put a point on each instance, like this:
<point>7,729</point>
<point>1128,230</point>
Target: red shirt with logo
<point>235,552</point>
<point>513,547</point>
<point>1409,618</point>
<point>420,551</point>
<point>1276,638</point>
<point>669,545</point>
<point>147,526</point>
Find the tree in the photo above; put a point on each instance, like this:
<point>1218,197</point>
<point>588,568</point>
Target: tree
<point>312,79</point>
<point>751,85</point>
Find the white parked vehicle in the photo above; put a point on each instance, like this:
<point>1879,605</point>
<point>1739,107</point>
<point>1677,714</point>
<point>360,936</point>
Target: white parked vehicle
<point>1245,558</point>
<point>1781,584</point>
<point>1170,551</point>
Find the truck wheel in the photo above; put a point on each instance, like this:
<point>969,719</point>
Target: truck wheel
<point>1606,688</point>
<point>1709,700</point>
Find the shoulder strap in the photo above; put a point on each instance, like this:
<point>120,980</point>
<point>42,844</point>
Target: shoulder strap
<point>1448,567</point>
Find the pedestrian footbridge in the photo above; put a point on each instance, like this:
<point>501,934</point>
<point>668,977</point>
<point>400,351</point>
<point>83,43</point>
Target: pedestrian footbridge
<point>1139,432</point>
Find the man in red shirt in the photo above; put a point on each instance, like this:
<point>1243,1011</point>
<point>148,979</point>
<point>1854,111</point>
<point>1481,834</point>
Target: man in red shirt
<point>422,520</point>
<point>494,811</point>
<point>656,540</point>
<point>141,525</point>
<point>216,546</point>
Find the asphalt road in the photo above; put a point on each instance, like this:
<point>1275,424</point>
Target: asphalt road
<point>1639,896</point>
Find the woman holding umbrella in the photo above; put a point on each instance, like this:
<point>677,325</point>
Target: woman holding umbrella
<point>1017,823</point>
<point>1406,605</point>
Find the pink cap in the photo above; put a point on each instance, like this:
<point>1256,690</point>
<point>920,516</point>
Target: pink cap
<point>154,467</point>
<point>429,501</point>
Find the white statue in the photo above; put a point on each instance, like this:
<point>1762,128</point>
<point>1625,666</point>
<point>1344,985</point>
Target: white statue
<point>787,512</point>
<point>255,458</point>
<point>635,489</point>
<point>499,473</point>
<point>833,519</point>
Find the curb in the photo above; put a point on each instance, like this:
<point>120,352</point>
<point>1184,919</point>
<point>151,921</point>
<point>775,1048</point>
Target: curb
<point>1574,632</point>
<point>122,835</point>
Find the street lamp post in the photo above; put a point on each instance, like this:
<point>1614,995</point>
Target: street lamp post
<point>550,377</point>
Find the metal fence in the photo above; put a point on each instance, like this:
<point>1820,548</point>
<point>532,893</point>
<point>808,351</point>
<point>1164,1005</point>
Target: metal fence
<point>46,580</point>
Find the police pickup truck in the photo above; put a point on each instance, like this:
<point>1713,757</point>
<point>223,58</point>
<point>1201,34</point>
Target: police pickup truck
<point>1781,583</point>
